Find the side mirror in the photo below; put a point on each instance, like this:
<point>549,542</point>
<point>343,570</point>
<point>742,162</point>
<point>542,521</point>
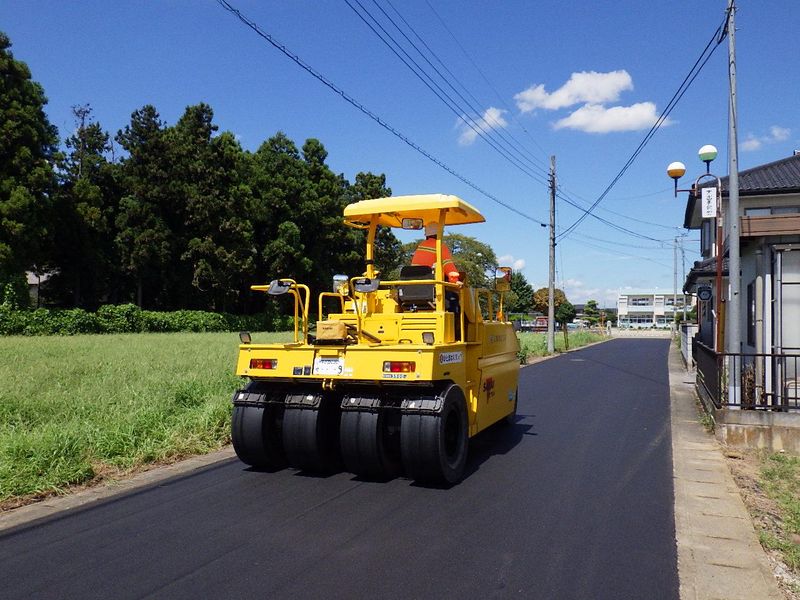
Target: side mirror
<point>366,285</point>
<point>412,224</point>
<point>278,287</point>
<point>502,281</point>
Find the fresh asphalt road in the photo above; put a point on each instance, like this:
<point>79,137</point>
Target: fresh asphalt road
<point>573,501</point>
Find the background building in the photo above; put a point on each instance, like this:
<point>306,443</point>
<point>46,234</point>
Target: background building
<point>645,310</point>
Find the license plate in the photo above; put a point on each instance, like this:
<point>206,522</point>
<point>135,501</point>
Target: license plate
<point>328,366</point>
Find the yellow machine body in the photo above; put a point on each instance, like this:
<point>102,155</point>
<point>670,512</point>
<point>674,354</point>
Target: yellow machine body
<point>375,344</point>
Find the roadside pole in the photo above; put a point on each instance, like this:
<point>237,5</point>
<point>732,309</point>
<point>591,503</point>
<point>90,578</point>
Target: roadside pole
<point>551,309</point>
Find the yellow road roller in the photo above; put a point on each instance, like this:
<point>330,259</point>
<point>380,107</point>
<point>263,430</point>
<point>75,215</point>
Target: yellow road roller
<point>398,374</point>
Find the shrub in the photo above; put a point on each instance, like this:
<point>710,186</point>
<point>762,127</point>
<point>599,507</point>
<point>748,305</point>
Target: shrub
<point>128,318</point>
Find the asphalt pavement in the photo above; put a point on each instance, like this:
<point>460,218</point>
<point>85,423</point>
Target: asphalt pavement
<point>575,500</point>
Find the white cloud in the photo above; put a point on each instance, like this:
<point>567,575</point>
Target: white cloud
<point>779,134</point>
<point>578,292</point>
<point>776,134</point>
<point>594,118</point>
<point>750,144</point>
<point>584,87</point>
<point>492,119</point>
<point>517,264</point>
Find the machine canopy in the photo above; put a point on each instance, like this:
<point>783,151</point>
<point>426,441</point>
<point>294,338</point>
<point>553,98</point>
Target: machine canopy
<point>392,210</point>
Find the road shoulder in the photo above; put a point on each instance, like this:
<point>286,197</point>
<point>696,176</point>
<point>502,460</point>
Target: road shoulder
<point>72,500</point>
<point>718,552</point>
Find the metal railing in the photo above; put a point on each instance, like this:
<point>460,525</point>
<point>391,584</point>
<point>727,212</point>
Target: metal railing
<point>751,381</point>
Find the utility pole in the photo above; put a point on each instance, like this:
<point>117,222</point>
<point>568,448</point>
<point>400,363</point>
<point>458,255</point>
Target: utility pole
<point>551,309</point>
<point>733,312</point>
<point>683,277</point>
<point>674,284</point>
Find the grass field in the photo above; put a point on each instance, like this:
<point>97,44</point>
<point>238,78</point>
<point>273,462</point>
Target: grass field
<point>73,409</point>
<point>535,344</point>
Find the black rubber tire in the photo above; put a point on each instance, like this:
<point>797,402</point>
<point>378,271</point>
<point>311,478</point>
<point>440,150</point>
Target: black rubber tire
<point>256,436</point>
<point>364,445</point>
<point>434,447</point>
<point>311,437</point>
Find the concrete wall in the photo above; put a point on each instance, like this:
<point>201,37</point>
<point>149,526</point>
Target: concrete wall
<point>687,334</point>
<point>760,429</point>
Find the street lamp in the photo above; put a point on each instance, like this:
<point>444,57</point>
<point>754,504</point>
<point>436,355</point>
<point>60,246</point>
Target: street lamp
<point>711,201</point>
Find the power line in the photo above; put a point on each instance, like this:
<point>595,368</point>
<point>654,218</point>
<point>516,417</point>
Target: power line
<point>478,126</point>
<point>486,79</point>
<point>705,55</point>
<point>372,115</point>
<point>517,143</point>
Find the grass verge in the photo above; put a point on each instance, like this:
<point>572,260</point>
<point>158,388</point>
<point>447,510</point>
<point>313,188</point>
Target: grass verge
<point>535,344</point>
<point>780,478</point>
<point>75,409</point>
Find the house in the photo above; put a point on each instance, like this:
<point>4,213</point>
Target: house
<point>766,364</point>
<point>648,309</point>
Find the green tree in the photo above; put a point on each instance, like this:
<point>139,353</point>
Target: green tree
<point>541,299</point>
<point>210,216</point>
<point>277,176</point>
<point>144,238</point>
<point>86,203</point>
<point>592,312</point>
<point>27,147</point>
<point>520,298</point>
<point>566,312</point>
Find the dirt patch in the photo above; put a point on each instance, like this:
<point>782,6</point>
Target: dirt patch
<point>745,466</point>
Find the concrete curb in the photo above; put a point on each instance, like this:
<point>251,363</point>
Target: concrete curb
<point>51,506</point>
<point>718,551</point>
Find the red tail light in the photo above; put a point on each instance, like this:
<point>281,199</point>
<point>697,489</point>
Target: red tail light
<point>263,363</point>
<point>395,366</point>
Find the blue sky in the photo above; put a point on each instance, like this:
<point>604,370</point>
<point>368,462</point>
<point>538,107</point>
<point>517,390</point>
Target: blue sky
<point>578,79</point>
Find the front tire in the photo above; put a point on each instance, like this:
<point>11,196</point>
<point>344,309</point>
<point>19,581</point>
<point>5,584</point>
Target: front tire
<point>434,446</point>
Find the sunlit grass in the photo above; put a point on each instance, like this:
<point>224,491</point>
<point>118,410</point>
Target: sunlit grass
<point>74,407</point>
<point>535,344</point>
<point>780,477</point>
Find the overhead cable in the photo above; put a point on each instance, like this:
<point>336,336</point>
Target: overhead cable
<point>716,39</point>
<point>372,115</point>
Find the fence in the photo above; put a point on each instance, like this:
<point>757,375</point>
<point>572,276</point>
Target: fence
<point>749,381</point>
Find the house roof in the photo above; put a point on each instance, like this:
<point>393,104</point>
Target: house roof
<point>779,177</point>
<point>703,269</point>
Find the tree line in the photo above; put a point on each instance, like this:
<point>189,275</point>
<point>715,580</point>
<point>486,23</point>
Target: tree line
<point>167,216</point>
<point>178,216</point>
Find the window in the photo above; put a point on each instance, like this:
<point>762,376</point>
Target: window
<point>785,210</point>
<point>756,212</point>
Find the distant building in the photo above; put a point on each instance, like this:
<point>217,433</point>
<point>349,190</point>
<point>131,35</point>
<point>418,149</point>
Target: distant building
<point>646,310</point>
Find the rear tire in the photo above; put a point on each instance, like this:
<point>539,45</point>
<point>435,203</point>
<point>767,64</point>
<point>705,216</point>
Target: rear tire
<point>256,436</point>
<point>434,446</point>
<point>364,444</point>
<point>310,436</point>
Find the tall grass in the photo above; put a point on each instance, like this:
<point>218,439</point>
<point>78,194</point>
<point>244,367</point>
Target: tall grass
<point>74,408</point>
<point>535,344</point>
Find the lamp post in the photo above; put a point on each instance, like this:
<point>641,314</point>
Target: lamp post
<point>711,207</point>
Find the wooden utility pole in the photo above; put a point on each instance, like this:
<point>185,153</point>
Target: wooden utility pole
<point>551,309</point>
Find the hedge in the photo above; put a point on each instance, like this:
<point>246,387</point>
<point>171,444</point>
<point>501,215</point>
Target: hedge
<point>129,318</point>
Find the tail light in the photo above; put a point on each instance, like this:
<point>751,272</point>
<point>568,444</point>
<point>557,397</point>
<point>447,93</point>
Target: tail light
<point>264,363</point>
<point>396,366</point>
